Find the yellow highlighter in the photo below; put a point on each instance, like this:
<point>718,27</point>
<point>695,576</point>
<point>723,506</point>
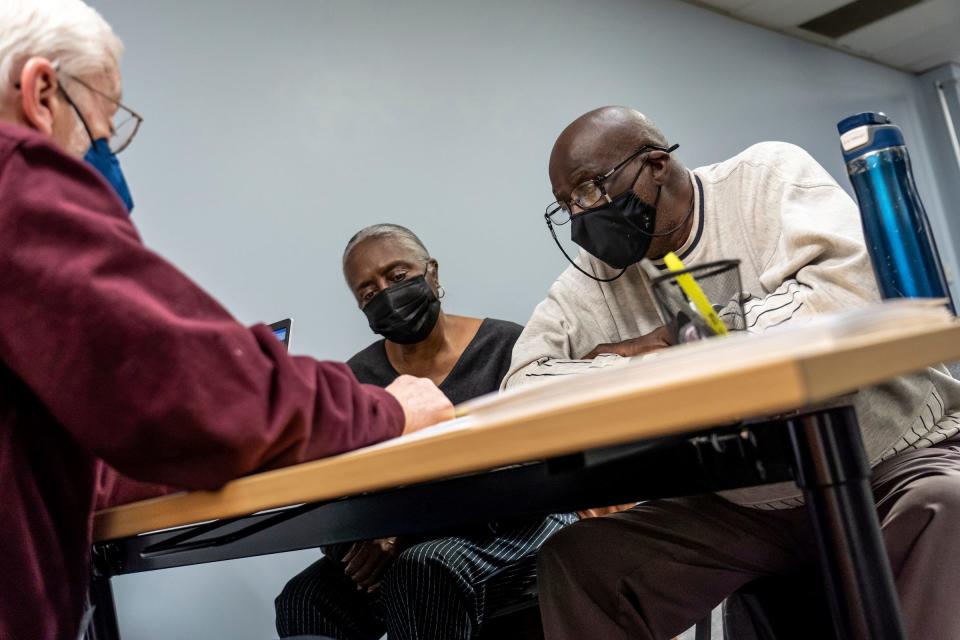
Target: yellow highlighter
<point>696,295</point>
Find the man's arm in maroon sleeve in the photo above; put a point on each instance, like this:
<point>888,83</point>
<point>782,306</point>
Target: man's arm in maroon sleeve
<point>137,362</point>
<point>114,489</point>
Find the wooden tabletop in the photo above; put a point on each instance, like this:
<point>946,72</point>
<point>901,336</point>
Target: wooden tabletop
<point>686,388</point>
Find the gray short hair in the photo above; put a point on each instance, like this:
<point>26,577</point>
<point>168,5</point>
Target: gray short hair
<point>68,31</point>
<point>387,230</point>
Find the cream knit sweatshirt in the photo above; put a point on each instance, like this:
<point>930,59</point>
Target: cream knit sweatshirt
<point>800,244</point>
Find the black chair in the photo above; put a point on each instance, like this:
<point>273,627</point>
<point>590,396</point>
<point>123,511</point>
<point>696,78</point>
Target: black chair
<point>781,608</point>
<point>511,611</point>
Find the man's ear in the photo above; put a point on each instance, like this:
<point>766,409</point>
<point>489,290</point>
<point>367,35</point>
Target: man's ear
<point>659,162</point>
<point>38,94</point>
<point>433,267</point>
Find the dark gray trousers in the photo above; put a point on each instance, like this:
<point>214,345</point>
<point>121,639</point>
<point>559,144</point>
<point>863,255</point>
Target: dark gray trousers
<point>654,571</point>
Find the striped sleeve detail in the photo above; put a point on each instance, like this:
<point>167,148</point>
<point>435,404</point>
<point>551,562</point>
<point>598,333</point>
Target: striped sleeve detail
<point>775,309</point>
<point>931,426</point>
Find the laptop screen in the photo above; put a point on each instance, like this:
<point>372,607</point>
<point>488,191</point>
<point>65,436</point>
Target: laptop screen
<point>281,330</point>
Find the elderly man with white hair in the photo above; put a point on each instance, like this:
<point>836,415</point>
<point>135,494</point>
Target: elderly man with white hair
<point>107,352</point>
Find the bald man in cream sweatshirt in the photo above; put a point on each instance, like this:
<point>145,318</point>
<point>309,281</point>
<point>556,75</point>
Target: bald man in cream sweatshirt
<point>798,237</point>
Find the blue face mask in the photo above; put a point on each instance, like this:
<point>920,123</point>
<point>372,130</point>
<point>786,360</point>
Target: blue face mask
<point>105,161</point>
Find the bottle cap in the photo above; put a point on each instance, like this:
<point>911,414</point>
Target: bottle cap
<point>862,119</point>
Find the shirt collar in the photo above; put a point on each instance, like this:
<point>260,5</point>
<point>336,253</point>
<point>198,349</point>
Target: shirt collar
<point>696,229</point>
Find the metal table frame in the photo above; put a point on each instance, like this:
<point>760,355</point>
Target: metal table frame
<point>820,450</point>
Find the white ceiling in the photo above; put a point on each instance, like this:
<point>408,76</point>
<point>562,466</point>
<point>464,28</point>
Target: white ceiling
<point>915,39</point>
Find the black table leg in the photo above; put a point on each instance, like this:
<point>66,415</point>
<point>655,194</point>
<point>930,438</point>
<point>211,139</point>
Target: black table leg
<point>104,624</point>
<point>703,630</point>
<point>833,472</point>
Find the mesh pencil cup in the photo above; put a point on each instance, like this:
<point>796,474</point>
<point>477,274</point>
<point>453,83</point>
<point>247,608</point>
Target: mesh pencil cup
<point>720,283</point>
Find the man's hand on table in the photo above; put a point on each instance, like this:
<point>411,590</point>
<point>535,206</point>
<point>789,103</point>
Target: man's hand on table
<point>423,403</point>
<point>366,561</point>
<point>659,338</point>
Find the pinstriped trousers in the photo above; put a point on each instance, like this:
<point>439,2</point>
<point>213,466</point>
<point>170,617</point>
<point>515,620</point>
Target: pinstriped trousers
<point>435,590</point>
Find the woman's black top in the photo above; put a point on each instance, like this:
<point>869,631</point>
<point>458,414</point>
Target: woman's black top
<point>479,370</point>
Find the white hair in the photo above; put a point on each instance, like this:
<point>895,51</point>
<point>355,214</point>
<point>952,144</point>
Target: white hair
<point>68,31</point>
<point>386,230</point>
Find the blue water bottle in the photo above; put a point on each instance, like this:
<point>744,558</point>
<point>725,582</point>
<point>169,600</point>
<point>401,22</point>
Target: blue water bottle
<point>895,225</point>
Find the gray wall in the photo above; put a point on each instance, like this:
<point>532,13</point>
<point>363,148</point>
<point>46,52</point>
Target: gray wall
<point>274,130</point>
<point>945,161</point>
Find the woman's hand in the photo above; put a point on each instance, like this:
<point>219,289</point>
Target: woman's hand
<point>366,561</point>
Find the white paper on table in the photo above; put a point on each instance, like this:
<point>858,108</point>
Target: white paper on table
<point>450,426</point>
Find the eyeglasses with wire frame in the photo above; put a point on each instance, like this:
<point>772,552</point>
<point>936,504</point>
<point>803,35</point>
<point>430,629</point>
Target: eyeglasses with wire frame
<point>588,194</point>
<point>125,124</point>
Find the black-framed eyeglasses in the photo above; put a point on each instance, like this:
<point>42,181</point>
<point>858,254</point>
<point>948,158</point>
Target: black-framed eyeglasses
<point>590,193</point>
<point>126,122</point>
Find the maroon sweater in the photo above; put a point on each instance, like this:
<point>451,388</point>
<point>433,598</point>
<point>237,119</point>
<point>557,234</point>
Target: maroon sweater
<point>108,352</point>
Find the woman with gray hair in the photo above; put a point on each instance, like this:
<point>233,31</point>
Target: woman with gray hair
<point>415,587</point>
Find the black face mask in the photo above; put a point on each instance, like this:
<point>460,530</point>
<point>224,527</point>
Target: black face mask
<point>405,313</point>
<point>619,232</point>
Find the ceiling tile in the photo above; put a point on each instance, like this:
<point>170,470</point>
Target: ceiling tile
<point>932,61</point>
<point>939,43</point>
<point>906,27</point>
<point>914,39</point>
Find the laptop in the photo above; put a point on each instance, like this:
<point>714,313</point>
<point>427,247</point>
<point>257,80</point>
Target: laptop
<point>281,329</point>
